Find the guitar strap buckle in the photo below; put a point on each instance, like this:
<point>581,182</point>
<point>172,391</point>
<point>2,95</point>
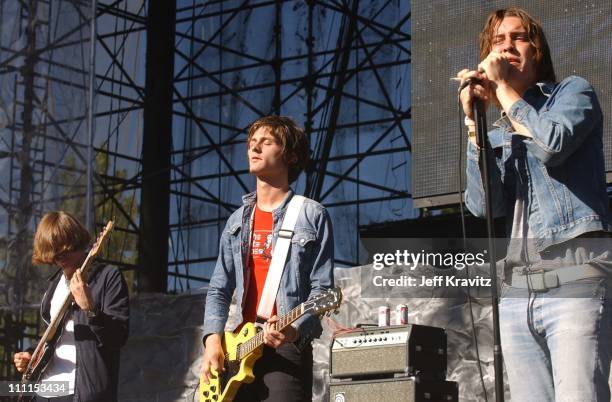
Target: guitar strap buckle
<point>259,322</point>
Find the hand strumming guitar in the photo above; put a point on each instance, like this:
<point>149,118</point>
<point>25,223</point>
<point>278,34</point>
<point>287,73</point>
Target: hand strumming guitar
<point>21,360</point>
<point>213,357</point>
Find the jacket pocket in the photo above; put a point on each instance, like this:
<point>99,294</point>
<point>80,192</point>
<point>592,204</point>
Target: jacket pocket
<point>302,255</point>
<point>303,237</point>
<point>233,233</point>
<point>233,230</point>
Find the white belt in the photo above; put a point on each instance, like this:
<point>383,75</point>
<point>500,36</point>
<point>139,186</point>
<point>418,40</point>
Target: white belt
<point>544,280</point>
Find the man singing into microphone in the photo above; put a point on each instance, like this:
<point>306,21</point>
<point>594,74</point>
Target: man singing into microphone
<point>548,180</point>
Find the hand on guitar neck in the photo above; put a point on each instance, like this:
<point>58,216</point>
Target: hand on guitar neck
<point>71,262</point>
<point>80,291</point>
<point>276,339</point>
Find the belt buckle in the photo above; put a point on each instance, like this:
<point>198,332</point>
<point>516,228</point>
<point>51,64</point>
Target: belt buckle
<point>542,281</point>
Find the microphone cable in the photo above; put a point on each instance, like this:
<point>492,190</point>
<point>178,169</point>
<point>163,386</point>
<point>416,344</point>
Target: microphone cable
<point>464,238</point>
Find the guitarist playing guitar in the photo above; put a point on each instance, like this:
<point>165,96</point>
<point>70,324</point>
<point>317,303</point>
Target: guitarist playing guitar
<point>85,349</point>
<point>277,152</point>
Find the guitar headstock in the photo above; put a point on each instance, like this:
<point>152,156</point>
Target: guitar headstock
<point>324,302</point>
<point>104,234</point>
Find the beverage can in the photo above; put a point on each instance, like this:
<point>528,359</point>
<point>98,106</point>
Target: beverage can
<point>401,314</point>
<point>384,316</point>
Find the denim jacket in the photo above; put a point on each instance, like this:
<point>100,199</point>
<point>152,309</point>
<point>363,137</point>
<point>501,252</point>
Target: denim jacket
<point>559,173</point>
<point>308,268</point>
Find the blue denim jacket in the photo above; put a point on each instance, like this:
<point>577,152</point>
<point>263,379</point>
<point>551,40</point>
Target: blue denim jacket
<point>559,173</point>
<point>308,270</point>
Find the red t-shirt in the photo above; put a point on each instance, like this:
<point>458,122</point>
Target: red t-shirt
<point>259,262</point>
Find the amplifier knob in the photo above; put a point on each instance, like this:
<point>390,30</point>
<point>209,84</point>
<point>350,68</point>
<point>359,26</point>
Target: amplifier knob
<point>339,398</point>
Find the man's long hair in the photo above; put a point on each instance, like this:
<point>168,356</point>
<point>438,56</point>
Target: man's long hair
<point>545,69</point>
<point>292,139</point>
<point>58,232</point>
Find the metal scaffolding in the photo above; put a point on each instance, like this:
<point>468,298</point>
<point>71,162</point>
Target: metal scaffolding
<point>49,155</point>
<point>340,68</point>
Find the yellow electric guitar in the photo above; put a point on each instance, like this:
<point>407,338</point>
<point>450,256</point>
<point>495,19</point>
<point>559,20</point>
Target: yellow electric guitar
<point>242,349</point>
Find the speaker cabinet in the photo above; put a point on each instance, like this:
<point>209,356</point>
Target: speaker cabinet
<point>404,350</point>
<point>406,389</point>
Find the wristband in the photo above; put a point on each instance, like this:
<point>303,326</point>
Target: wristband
<point>469,122</point>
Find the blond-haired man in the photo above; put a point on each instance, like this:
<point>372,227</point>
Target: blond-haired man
<point>86,354</point>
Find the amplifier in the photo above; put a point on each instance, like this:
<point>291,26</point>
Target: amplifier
<point>387,351</point>
<point>407,389</point>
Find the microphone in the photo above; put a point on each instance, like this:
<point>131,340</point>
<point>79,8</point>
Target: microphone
<point>469,81</point>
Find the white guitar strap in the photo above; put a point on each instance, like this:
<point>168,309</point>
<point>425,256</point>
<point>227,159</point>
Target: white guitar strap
<point>279,257</point>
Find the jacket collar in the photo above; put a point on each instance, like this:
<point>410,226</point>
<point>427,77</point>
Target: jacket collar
<point>248,200</point>
<point>546,88</point>
<point>54,275</point>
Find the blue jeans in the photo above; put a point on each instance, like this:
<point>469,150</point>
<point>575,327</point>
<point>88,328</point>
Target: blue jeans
<point>556,344</point>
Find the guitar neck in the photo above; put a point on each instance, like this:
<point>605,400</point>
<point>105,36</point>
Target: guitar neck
<point>282,323</point>
<point>87,264</point>
<point>59,317</point>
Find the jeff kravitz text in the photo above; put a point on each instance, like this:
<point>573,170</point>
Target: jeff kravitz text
<point>426,281</point>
